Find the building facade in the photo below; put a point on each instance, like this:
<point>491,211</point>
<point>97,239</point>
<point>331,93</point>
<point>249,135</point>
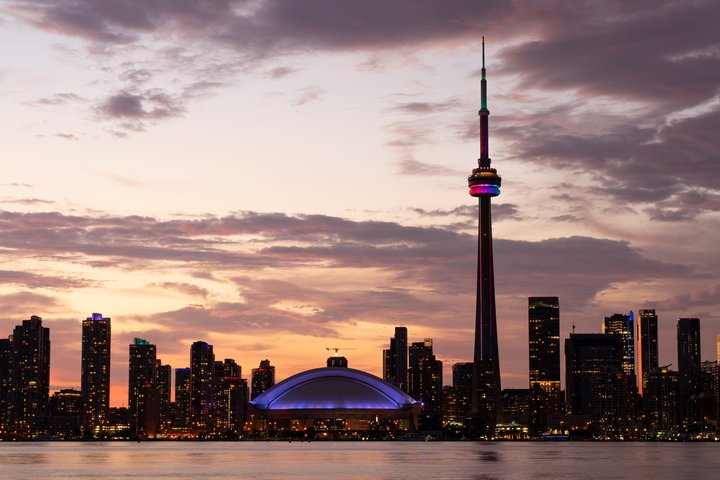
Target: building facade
<point>544,364</point>
<point>95,372</point>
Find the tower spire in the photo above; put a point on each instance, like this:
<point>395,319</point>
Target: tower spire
<point>483,83</point>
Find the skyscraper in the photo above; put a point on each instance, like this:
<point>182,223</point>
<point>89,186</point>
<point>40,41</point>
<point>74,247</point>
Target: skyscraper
<point>202,383</point>
<point>595,380</point>
<point>484,183</point>
<point>395,360</point>
<point>6,381</point>
<point>163,385</point>
<point>462,375</point>
<point>544,350</point>
<point>262,378</point>
<point>142,374</point>
<point>31,369</point>
<point>231,396</point>
<point>95,372</point>
<point>648,347</point>
<point>624,325</point>
<point>425,383</point>
<point>688,349</point>
<point>182,397</point>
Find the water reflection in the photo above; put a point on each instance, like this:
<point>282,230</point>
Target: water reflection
<point>357,461</point>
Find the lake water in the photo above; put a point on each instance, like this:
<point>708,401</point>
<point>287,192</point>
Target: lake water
<point>358,460</point>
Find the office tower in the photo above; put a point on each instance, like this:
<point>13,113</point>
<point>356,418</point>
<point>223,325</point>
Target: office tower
<point>544,352</point>
<point>142,374</point>
<point>484,183</point>
<point>182,397</point>
<point>202,383</point>
<point>516,405</point>
<point>337,361</point>
<point>6,382</point>
<point>624,325</point>
<point>647,346</point>
<point>456,403</point>
<point>230,395</point>
<point>263,378</point>
<point>462,374</point>
<point>425,383</point>
<point>662,402</point>
<point>31,370</point>
<point>95,372</point>
<point>395,360</point>
<point>688,349</point>
<point>595,380</point>
<point>164,386</point>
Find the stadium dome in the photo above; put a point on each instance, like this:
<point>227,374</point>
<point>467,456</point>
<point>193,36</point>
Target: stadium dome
<point>335,390</point>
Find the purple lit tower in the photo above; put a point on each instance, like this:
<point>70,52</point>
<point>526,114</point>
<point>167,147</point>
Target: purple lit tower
<point>484,183</point>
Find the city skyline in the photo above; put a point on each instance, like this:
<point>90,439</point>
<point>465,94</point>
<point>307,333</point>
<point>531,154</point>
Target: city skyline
<point>269,193</point>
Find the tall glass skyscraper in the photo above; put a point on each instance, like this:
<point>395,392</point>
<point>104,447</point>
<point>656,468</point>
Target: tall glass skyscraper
<point>31,369</point>
<point>647,347</point>
<point>395,360</point>
<point>95,372</point>
<point>544,352</point>
<point>142,374</point>
<point>202,386</point>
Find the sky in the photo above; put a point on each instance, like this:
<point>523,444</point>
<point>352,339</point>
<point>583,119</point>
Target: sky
<point>281,177</point>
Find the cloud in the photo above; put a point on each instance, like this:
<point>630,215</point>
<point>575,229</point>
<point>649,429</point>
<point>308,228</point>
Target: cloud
<point>27,303</point>
<point>309,94</point>
<point>28,201</point>
<point>501,211</point>
<point>690,301</point>
<point>33,280</point>
<point>150,105</point>
<point>184,288</point>
<point>59,99</point>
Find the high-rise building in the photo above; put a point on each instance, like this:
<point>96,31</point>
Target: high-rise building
<point>6,382</point>
<point>662,403</point>
<point>648,347</point>
<point>142,375</point>
<point>164,386</point>
<point>182,397</point>
<point>462,375</point>
<point>544,351</point>
<point>595,380</point>
<point>395,360</point>
<point>262,378</point>
<point>484,183</point>
<point>231,397</point>
<point>624,325</point>
<point>202,383</point>
<point>95,372</point>
<point>689,362</point>
<point>31,370</point>
<point>425,383</point>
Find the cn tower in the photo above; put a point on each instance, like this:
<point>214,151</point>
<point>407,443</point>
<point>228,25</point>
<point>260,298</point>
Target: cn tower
<point>484,183</point>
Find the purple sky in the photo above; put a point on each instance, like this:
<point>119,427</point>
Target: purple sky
<point>280,177</point>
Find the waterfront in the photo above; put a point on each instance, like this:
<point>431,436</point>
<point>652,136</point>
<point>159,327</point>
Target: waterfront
<point>358,460</point>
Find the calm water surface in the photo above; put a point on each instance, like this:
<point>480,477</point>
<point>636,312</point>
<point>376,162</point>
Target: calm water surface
<point>355,460</point>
